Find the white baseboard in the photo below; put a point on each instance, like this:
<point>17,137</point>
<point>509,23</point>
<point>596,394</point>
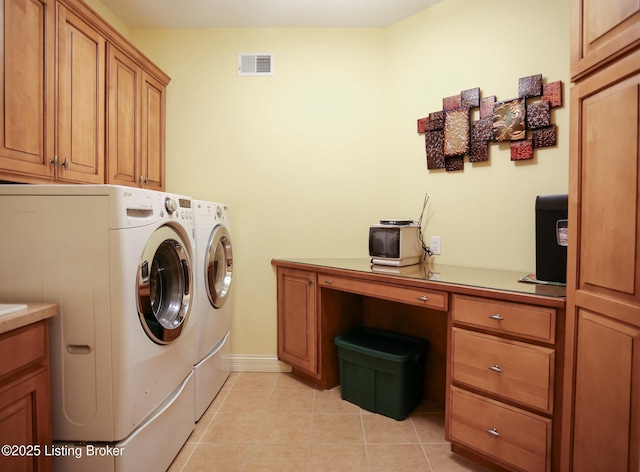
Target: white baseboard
<point>247,363</point>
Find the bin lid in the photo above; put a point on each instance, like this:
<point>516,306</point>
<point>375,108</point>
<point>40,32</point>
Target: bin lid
<point>383,344</point>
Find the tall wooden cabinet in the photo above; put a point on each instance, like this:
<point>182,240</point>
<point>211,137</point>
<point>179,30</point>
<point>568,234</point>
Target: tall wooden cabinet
<point>601,429</point>
<point>78,103</point>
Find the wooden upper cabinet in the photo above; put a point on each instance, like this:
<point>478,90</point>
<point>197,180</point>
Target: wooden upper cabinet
<point>153,132</point>
<point>81,108</point>
<point>601,30</point>
<point>27,87</point>
<point>136,124</point>
<point>123,92</point>
<point>78,102</point>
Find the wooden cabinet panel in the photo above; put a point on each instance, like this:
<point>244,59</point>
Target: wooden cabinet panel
<point>297,320</point>
<point>81,109</point>
<point>25,395</point>
<point>515,371</point>
<point>601,30</point>
<point>25,413</point>
<point>124,119</point>
<point>606,107</point>
<point>27,87</point>
<point>606,417</point>
<point>513,437</point>
<point>153,132</point>
<point>537,323</point>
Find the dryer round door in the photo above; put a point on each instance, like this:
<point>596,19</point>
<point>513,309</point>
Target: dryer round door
<point>219,269</point>
<point>164,286</point>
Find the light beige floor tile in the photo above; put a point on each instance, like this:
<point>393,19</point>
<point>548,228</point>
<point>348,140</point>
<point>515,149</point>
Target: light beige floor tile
<point>380,429</point>
<point>277,458</point>
<point>397,457</point>
<point>284,428</point>
<point>287,381</point>
<point>255,381</point>
<point>232,428</point>
<point>217,457</point>
<point>291,401</point>
<point>245,401</point>
<point>329,401</point>
<point>337,458</point>
<point>339,428</point>
<point>443,460</point>
<point>182,457</point>
<point>430,427</point>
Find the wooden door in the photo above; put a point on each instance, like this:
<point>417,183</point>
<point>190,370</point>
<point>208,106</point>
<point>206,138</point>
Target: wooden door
<point>123,151</point>
<point>153,132</point>
<point>27,86</point>
<point>81,96</point>
<point>297,320</point>
<point>603,316</point>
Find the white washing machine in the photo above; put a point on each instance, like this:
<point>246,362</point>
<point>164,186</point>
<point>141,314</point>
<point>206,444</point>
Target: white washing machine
<point>118,262</point>
<point>213,273</point>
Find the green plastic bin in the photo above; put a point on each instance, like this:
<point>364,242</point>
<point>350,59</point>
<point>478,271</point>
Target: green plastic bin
<point>382,371</point>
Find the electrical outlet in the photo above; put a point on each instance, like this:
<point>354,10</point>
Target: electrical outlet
<point>435,245</point>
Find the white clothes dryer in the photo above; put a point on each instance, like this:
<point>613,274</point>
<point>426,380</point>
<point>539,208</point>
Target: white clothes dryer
<point>213,273</point>
<point>118,263</point>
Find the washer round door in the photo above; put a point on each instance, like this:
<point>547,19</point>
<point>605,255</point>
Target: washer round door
<point>219,269</point>
<point>164,286</point>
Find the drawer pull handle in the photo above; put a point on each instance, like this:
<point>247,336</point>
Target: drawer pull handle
<point>423,298</point>
<point>496,317</point>
<point>493,432</point>
<point>495,368</point>
<point>328,281</point>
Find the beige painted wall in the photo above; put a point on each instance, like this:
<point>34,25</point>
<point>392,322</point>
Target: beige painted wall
<point>309,158</point>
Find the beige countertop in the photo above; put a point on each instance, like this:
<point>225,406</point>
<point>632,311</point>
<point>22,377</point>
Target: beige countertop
<point>33,313</point>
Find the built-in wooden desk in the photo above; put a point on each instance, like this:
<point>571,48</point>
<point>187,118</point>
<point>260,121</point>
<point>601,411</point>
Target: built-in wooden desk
<point>496,345</point>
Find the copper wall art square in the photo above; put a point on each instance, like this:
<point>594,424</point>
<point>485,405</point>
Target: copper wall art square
<point>509,120</point>
<point>521,150</point>
<point>456,133</point>
<point>525,122</point>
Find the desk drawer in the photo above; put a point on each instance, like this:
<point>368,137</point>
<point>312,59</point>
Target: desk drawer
<point>528,321</point>
<point>513,370</point>
<point>512,436</point>
<point>412,296</point>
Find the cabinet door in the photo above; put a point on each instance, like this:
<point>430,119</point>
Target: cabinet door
<point>297,326</point>
<point>603,316</point>
<point>25,413</point>
<point>81,109</point>
<point>606,412</point>
<point>27,86</point>
<point>153,132</point>
<point>124,119</point>
<point>601,30</point>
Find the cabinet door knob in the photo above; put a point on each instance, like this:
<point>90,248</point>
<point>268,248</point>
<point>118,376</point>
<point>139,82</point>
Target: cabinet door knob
<point>310,282</point>
<point>496,317</point>
<point>54,161</point>
<point>495,368</point>
<point>65,164</point>
<point>493,432</point>
<point>422,298</point>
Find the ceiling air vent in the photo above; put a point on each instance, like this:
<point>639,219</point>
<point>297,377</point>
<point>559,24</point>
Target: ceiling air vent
<point>255,64</point>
